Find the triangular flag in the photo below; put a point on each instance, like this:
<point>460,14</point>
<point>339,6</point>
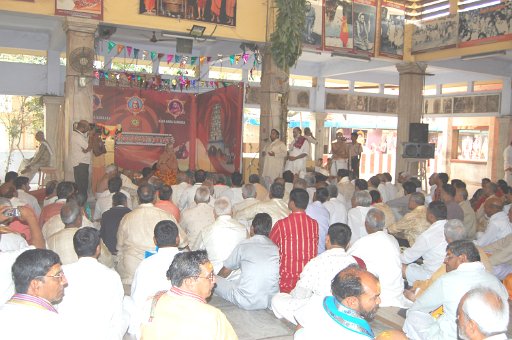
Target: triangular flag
<point>160,56</point>
<point>177,58</point>
<point>129,50</point>
<point>208,59</point>
<point>237,58</point>
<point>111,45</point>
<point>202,59</point>
<point>169,58</point>
<point>145,55</point>
<point>136,53</point>
<point>232,59</point>
<point>245,57</point>
<point>120,48</point>
<point>153,55</point>
<point>193,60</point>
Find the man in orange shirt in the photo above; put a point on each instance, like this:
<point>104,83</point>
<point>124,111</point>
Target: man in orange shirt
<point>165,202</point>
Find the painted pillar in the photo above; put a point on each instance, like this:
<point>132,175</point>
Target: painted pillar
<point>54,114</point>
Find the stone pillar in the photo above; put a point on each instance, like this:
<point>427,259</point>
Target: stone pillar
<point>319,109</point>
<point>410,108</point>
<point>320,135</point>
<point>78,99</point>
<point>54,130</point>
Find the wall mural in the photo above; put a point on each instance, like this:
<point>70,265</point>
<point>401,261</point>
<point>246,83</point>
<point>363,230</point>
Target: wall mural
<point>435,34</point>
<point>216,11</point>
<point>462,104</point>
<point>338,25</point>
<point>92,9</point>
<point>360,103</point>
<point>312,34</point>
<point>392,24</point>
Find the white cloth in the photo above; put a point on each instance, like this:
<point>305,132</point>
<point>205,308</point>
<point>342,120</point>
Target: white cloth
<point>381,254</point>
<point>246,203</point>
<point>498,227</point>
<point>234,195</point>
<point>356,222</point>
<point>187,197</point>
<point>383,190</point>
<point>218,190</point>
<point>317,324</point>
<point>194,220</point>
<point>391,191</point>
<point>275,207</point>
<point>7,259</point>
<point>319,213</point>
<point>78,142</point>
<point>12,242</point>
<point>177,190</point>
<point>337,211</point>
<point>447,291</point>
<point>55,224</point>
<point>507,163</point>
<point>297,165</point>
<point>273,165</point>
<point>104,202</point>
<point>220,238</point>
<point>48,201</point>
<point>338,164</point>
<point>258,260</point>
<point>93,297</point>
<point>315,280</point>
<point>30,200</point>
<point>431,245</point>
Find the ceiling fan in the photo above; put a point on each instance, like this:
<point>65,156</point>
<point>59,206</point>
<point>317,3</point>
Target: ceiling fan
<point>154,39</point>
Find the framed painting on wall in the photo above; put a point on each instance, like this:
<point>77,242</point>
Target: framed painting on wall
<point>92,9</point>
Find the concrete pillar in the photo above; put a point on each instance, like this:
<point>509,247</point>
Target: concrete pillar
<point>54,130</point>
<point>319,108</point>
<point>320,135</point>
<point>78,99</point>
<point>410,108</point>
<point>53,71</point>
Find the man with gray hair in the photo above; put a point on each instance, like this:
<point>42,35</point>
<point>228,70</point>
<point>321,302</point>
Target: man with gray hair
<point>461,197</point>
<point>62,241</point>
<point>335,207</point>
<point>222,236</point>
<point>361,202</point>
<point>384,263</point>
<point>249,195</point>
<point>310,179</point>
<point>482,314</point>
<point>414,222</point>
<point>195,219</point>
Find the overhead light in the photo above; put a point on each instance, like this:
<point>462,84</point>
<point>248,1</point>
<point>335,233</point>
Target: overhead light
<point>197,31</point>
<point>477,5</point>
<point>350,56</point>
<point>483,55</point>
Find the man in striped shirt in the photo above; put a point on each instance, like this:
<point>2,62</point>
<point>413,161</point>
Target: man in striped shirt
<point>297,239</point>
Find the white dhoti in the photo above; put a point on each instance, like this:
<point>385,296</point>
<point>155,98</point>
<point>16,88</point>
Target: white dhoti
<point>421,326</point>
<point>338,164</point>
<point>415,272</point>
<point>284,306</point>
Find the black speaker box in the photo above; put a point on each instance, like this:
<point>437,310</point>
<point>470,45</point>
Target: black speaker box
<point>419,150</point>
<point>418,133</point>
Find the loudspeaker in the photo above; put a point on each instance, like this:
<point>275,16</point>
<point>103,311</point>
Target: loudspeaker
<point>184,46</point>
<point>419,150</point>
<point>418,133</point>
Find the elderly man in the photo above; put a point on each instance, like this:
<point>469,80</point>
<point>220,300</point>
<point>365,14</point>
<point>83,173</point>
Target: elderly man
<point>135,234</point>
<point>425,320</point>
<point>297,239</point>
<point>261,191</point>
<point>94,295</point>
<point>39,282</point>
<point>361,202</point>
<point>22,185</point>
<point>335,207</point>
<point>400,205</point>
<point>64,190</point>
<point>234,194</point>
<point>42,158</point>
<point>298,150</point>
<point>499,224</point>
<point>222,236</point>
<point>177,189</point>
<point>319,213</point>
<point>195,219</point>
<point>482,314</point>
<point>501,254</point>
<point>80,154</point>
<point>403,177</point>
<point>104,199</point>
<point>346,314</point>
<point>258,260</point>
<point>187,197</point>
<point>453,208</point>
<point>385,263</point>
<point>413,223</point>
<point>182,312</point>
<point>461,197</point>
<point>340,153</point>
<point>317,275</point>
<point>430,245</point>
<point>275,154</point>
<point>249,195</point>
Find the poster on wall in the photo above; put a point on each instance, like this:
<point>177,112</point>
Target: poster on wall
<point>338,24</point>
<point>363,16</point>
<point>485,25</point>
<point>435,34</point>
<point>392,18</point>
<point>92,9</point>
<point>215,11</point>
<point>219,132</point>
<point>312,34</point>
<point>149,120</point>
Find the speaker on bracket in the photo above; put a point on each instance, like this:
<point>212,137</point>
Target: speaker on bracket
<point>419,150</point>
<point>418,133</point>
<point>184,46</point>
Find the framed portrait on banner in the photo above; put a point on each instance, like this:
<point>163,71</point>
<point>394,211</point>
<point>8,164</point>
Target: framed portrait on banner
<point>312,33</point>
<point>92,9</point>
<point>338,25</point>
<point>363,18</point>
<point>392,24</point>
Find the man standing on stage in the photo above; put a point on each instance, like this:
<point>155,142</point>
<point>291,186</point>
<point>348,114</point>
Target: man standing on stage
<point>275,154</point>
<point>81,155</point>
<point>355,151</point>
<point>340,153</point>
<point>298,151</point>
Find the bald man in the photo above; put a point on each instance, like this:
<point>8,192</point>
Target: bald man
<point>499,224</point>
<point>42,157</point>
<point>80,154</point>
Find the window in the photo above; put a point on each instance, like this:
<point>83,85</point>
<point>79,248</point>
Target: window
<point>391,89</point>
<point>455,88</point>
<point>360,86</point>
<point>429,90</point>
<point>491,85</point>
<point>337,84</point>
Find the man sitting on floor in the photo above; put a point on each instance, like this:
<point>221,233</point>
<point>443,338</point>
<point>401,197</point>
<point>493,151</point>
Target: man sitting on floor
<point>258,260</point>
<point>195,219</point>
<point>414,222</point>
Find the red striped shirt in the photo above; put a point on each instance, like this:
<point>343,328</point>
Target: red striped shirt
<point>297,239</point>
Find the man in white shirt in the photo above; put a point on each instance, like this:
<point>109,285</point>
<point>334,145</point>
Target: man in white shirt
<point>104,199</point>
<point>178,189</point>
<point>507,163</point>
<point>23,187</point>
<point>319,213</point>
<point>234,194</point>
<point>431,245</point>
<point>335,207</point>
<point>257,258</point>
<point>195,219</point>
<point>221,237</point>
<point>80,154</point>
<point>315,279</point>
<point>187,197</point>
<point>94,295</point>
<point>151,274</point>
<point>298,151</point>
<point>249,195</point>
<point>381,254</point>
<point>499,224</point>
<point>464,272</point>
<point>361,201</point>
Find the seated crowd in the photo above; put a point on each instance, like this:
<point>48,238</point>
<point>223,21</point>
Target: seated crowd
<point>324,253</point>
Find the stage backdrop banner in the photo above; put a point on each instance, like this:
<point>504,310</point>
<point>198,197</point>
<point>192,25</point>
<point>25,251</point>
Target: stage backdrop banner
<point>219,129</point>
<point>149,120</point>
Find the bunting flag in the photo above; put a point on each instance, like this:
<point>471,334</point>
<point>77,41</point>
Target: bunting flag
<point>160,56</point>
<point>202,59</point>
<point>120,48</point>
<point>145,55</point>
<point>177,58</point>
<point>169,58</point>
<point>136,53</point>
<point>110,46</point>
<point>129,50</point>
<point>232,59</point>
<point>208,59</point>
<point>237,58</point>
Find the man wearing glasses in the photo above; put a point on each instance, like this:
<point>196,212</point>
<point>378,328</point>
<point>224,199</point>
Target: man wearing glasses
<point>182,312</point>
<point>39,283</point>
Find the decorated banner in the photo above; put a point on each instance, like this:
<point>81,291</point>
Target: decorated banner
<point>219,132</point>
<point>485,25</point>
<point>338,25</point>
<point>92,9</point>
<point>392,25</point>
<point>363,18</point>
<point>312,34</point>
<point>435,34</point>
